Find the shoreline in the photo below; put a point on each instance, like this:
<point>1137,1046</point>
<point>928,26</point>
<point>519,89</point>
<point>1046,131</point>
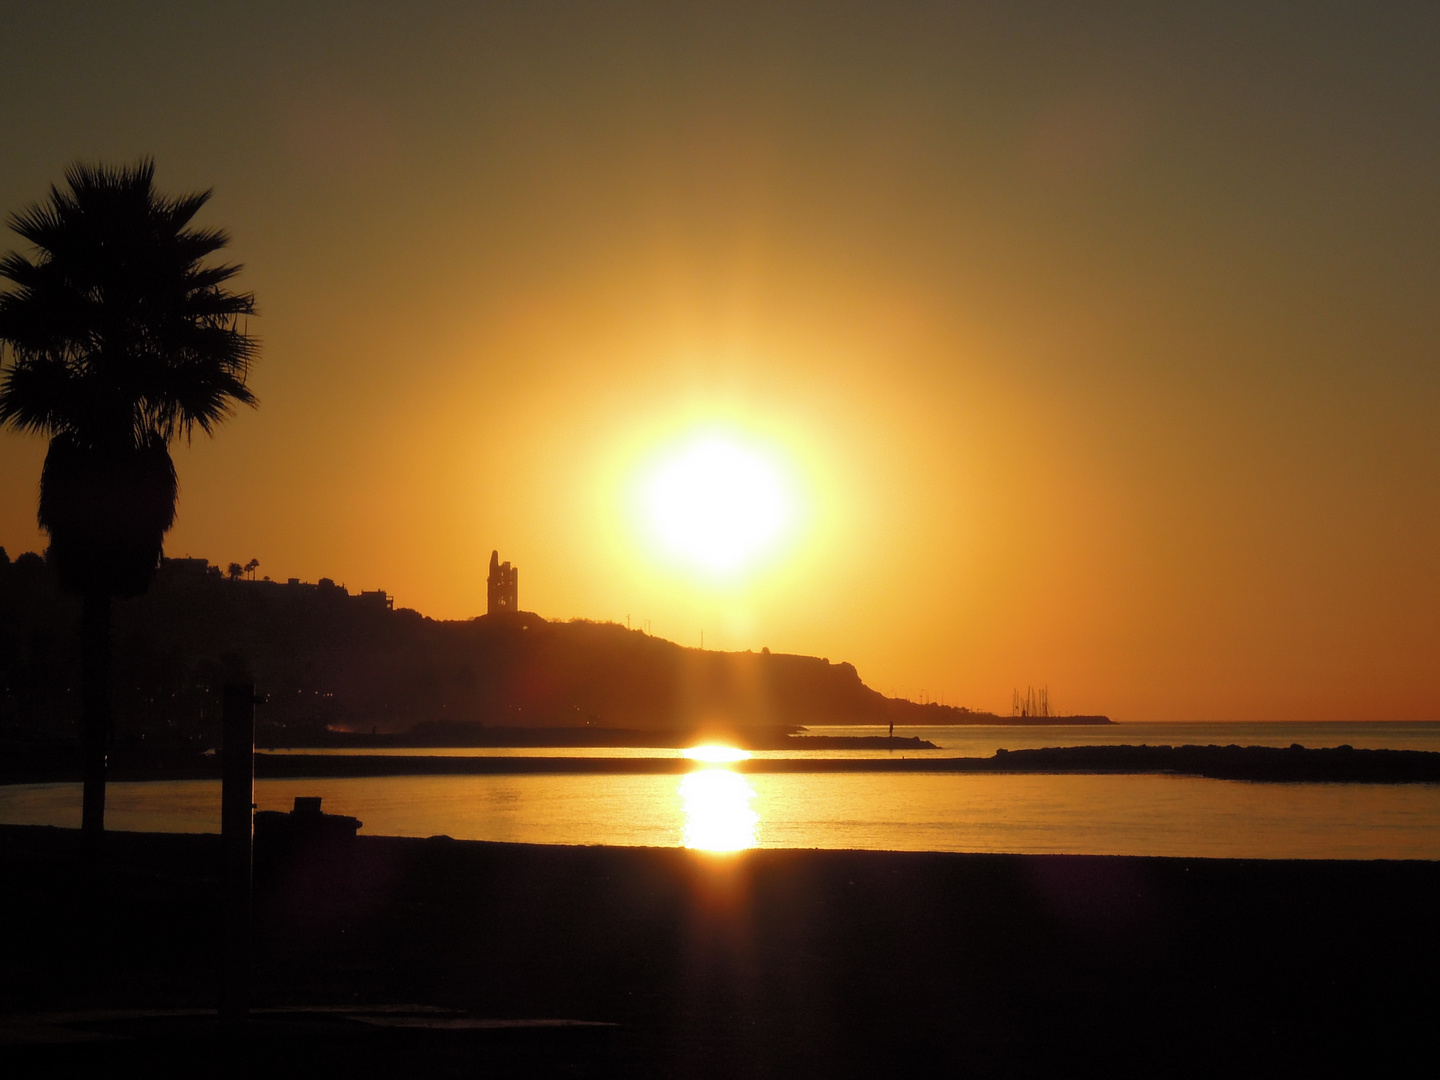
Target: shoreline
<point>772,962</point>
<point>1261,764</point>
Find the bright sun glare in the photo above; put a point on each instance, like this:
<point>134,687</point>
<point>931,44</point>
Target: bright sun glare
<point>718,814</point>
<point>714,753</point>
<point>716,503</point>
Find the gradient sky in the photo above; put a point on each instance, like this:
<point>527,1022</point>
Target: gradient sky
<point>1104,343</point>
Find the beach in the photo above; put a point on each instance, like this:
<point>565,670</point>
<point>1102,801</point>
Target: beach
<point>808,963</point>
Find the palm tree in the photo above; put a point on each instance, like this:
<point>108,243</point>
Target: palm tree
<point>120,340</point>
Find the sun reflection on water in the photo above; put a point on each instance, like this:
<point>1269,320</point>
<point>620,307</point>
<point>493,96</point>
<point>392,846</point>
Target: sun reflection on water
<point>714,753</point>
<point>718,814</point>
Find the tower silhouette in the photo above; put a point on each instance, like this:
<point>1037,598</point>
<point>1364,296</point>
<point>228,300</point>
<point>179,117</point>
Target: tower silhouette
<point>502,593</point>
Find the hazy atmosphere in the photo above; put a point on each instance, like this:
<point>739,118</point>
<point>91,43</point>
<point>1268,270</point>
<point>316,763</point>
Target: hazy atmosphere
<point>1095,350</point>
<point>709,540</point>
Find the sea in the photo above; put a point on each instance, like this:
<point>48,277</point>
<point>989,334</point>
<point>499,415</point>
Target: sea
<point>716,809</point>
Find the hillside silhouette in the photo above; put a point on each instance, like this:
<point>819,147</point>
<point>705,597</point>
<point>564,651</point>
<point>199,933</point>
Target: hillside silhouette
<point>330,660</point>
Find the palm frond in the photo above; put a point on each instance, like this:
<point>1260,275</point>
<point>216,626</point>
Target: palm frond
<point>118,329</point>
<point>38,396</point>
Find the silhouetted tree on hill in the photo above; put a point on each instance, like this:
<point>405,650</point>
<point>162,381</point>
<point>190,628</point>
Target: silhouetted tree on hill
<point>120,340</point>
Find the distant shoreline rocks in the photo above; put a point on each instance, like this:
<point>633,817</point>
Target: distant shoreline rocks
<point>1264,764</point>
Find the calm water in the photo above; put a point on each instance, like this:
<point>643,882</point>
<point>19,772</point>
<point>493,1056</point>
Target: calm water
<point>983,741</point>
<point>717,809</point>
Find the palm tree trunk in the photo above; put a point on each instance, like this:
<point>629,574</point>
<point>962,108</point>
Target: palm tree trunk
<point>94,709</point>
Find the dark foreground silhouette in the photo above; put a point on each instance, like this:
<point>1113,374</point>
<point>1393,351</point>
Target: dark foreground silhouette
<point>778,963</point>
<point>122,337</point>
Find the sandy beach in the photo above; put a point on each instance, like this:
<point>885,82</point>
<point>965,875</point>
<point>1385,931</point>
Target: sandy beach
<point>794,963</point>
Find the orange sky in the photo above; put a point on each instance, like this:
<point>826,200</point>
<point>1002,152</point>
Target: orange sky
<point>1104,344</point>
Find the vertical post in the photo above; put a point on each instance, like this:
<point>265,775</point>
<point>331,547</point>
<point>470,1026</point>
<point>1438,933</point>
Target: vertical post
<point>237,799</point>
<point>94,711</point>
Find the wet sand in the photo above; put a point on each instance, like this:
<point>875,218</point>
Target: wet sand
<point>784,963</point>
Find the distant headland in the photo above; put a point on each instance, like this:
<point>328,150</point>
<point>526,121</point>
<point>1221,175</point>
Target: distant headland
<point>334,662</point>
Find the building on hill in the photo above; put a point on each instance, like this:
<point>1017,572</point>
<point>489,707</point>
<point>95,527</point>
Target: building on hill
<point>186,571</point>
<point>199,572</point>
<point>503,593</point>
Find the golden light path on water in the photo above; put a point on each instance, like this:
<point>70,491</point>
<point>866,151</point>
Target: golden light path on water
<point>717,803</point>
<point>715,754</point>
<point>1076,814</point>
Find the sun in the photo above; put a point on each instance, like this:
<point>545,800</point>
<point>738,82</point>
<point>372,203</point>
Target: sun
<point>716,502</point>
